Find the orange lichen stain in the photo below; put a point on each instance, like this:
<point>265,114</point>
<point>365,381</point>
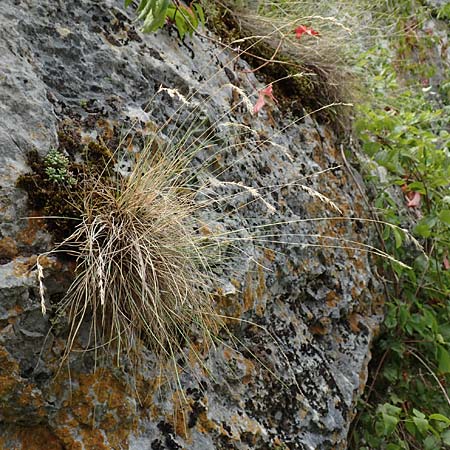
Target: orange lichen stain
<point>37,438</point>
<point>205,230</point>
<point>65,436</point>
<point>204,424</point>
<point>180,416</point>
<point>350,252</point>
<point>318,156</point>
<point>246,424</point>
<point>227,353</point>
<point>28,397</point>
<point>235,283</point>
<point>269,254</point>
<point>248,295</point>
<point>196,353</point>
<point>99,409</point>
<point>28,234</point>
<point>353,321</point>
<point>8,248</point>
<point>93,439</point>
<point>322,327</point>
<point>260,289</point>
<point>332,299</point>
<point>294,270</point>
<point>249,371</point>
<point>303,413</point>
<point>7,385</point>
<point>107,128</point>
<point>23,268</point>
<point>16,393</point>
<point>249,366</point>
<point>16,310</point>
<point>146,388</point>
<point>228,307</point>
<point>318,329</point>
<point>9,371</point>
<point>359,264</point>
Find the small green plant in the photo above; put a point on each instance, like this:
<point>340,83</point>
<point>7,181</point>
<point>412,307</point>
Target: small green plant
<point>57,168</point>
<point>156,13</point>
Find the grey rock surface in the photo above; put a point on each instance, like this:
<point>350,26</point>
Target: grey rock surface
<point>289,383</point>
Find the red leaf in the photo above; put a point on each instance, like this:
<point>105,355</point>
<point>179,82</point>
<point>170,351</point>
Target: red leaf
<point>413,199</point>
<point>301,30</point>
<point>263,93</point>
<point>259,104</point>
<point>446,263</point>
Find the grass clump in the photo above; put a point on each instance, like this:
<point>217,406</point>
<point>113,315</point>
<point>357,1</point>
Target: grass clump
<point>310,71</point>
<point>141,277</point>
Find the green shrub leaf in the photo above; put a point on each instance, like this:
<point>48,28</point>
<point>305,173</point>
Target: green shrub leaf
<point>443,359</point>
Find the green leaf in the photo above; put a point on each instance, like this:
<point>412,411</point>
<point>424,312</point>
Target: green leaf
<point>181,24</point>
<point>421,424</point>
<point>371,148</point>
<point>390,423</point>
<point>386,232</point>
<point>411,427</point>
<point>144,8</point>
<point>192,20</point>
<point>444,216</point>
<point>418,414</point>
<point>200,14</point>
<point>431,443</point>
<point>403,315</point>
<point>422,229</point>
<point>443,359</point>
<point>391,409</point>
<point>440,417</point>
<point>446,437</point>
<point>128,3</point>
<point>393,447</point>
<point>417,186</point>
<point>154,14</point>
<point>444,12</point>
<point>398,235</point>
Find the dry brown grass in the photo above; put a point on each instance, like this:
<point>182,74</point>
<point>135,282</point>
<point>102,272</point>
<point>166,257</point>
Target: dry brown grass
<point>141,278</point>
<point>314,71</point>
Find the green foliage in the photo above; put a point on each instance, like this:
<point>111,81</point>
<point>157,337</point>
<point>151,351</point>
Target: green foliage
<point>156,13</point>
<point>57,168</point>
<point>388,422</point>
<point>444,12</point>
<point>405,131</point>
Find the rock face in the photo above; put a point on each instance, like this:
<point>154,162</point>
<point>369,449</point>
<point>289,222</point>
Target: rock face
<point>74,71</point>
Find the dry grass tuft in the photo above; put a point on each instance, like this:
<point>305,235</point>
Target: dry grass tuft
<point>314,71</point>
<point>140,275</point>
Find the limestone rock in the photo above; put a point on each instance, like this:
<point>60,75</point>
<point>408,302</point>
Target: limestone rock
<point>289,383</point>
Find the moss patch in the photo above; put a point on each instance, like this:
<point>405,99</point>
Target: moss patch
<point>61,202</point>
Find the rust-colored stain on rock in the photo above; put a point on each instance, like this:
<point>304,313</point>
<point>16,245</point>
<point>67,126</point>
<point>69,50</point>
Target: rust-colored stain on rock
<point>8,248</point>
<point>27,236</point>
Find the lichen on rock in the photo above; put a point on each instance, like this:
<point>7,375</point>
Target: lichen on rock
<point>307,309</point>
